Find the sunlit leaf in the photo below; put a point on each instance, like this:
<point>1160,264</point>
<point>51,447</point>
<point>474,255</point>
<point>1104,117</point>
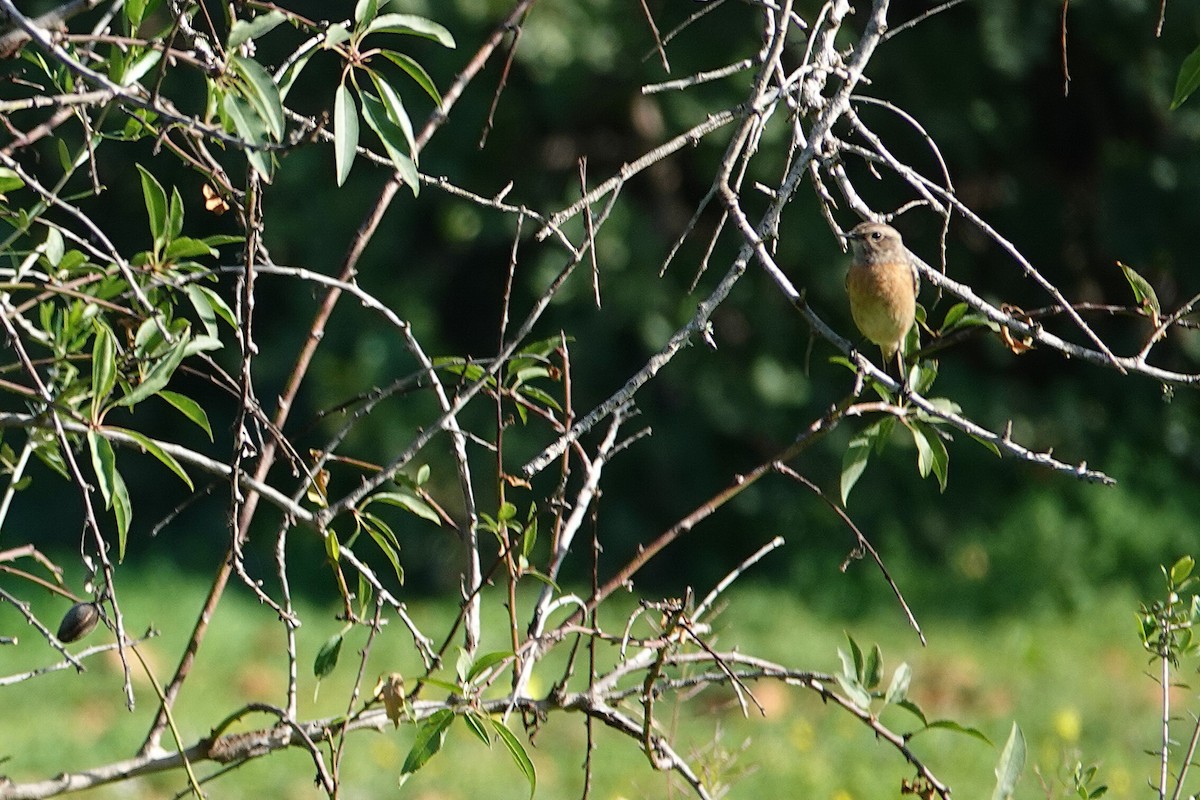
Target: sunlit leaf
<point>392,137</point>
<point>104,462</point>
<point>189,408</point>
<point>104,369</point>
<point>517,751</point>
<point>431,734</point>
<point>415,71</point>
<point>1188,79</point>
<point>156,207</point>
<point>260,89</point>
<point>345,132</point>
<point>245,30</point>
<point>156,450</point>
<point>1011,765</point>
<point>412,25</point>
<point>409,502</point>
<point>897,690</point>
<point>327,656</point>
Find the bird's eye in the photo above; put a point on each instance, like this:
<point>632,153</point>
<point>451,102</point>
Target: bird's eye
<point>876,235</point>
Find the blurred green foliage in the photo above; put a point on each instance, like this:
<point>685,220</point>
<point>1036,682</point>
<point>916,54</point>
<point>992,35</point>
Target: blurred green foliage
<point>1077,181</point>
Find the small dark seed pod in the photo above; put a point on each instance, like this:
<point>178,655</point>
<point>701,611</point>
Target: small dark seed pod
<point>78,622</point>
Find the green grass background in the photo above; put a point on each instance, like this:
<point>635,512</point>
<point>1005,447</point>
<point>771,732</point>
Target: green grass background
<point>1076,683</point>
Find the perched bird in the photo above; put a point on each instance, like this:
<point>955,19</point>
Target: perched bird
<point>882,285</point>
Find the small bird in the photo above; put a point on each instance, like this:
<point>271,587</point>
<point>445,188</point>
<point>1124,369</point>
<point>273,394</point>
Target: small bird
<point>882,285</point>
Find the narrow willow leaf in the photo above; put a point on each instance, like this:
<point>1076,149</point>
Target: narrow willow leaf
<point>252,129</point>
<point>392,138</point>
<point>104,462</point>
<point>263,94</point>
<point>1187,81</point>
<point>153,448</point>
<point>517,751</point>
<point>873,668</point>
<point>327,656</point>
<point>411,25</point>
<point>123,511</point>
<point>159,375</point>
<point>1143,292</point>
<point>156,207</point>
<point>415,71</point>
<point>431,734</point>
<point>345,132</point>
<point>104,369</point>
<point>853,463</point>
<point>475,723</point>
<point>395,109</point>
<point>485,661</point>
<point>10,181</point>
<point>189,408</point>
<point>897,691</point>
<point>409,502</point>
<point>379,530</point>
<point>855,692</point>
<point>244,30</point>
<point>1011,765</point>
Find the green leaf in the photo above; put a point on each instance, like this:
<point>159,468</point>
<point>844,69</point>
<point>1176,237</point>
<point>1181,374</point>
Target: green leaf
<point>327,656</point>
<point>104,369</point>
<point>915,710</point>
<point>386,539</point>
<point>854,691</point>
<point>395,109</point>
<point>412,25</point>
<point>251,127</point>
<point>431,734</point>
<point>1143,292</point>
<point>260,89</point>
<point>517,751</point>
<point>333,548</point>
<point>873,668</point>
<point>897,690</point>
<point>392,137</point>
<point>10,181</point>
<point>189,408</point>
<point>1011,765</point>
<point>1181,569</point>
<point>951,725</point>
<point>931,452</point>
<point>299,60</point>
<point>156,450</point>
<point>135,10</point>
<point>104,462</point>
<point>135,68</point>
<point>174,216</point>
<point>365,11</point>
<point>345,132</point>
<point>187,247</point>
<point>123,512</point>
<point>475,722</point>
<point>409,502</point>
<point>244,30</point>
<point>1188,80</point>
<point>854,463</point>
<point>486,661</point>
<point>202,295</point>
<point>54,247</point>
<point>156,207</point>
<point>415,71</point>
<point>335,35</point>
<point>158,375</point>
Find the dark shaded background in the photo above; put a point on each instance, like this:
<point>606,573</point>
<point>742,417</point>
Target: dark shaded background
<point>1077,182</point>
